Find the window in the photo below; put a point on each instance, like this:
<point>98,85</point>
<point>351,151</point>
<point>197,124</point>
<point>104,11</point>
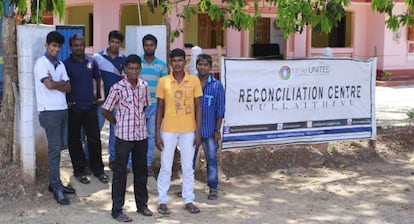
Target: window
<point>201,31</point>
<point>340,36</point>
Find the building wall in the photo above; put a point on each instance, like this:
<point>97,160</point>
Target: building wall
<point>370,36</point>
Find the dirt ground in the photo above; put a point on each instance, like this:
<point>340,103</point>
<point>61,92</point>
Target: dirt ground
<point>342,182</point>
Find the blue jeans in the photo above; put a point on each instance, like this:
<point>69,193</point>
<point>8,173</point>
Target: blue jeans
<point>111,140</point>
<point>54,123</point>
<point>150,114</point>
<point>210,151</point>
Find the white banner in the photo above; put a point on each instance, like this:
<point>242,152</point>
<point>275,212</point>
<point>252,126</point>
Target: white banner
<point>298,101</point>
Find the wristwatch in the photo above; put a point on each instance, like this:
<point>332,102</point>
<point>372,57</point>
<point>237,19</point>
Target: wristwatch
<point>217,130</point>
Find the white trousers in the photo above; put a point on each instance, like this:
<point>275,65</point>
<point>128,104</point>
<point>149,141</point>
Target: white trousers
<point>185,142</point>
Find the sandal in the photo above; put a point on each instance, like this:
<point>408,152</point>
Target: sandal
<point>212,195</point>
<point>191,208</point>
<point>163,209</point>
<point>83,179</point>
<point>103,178</point>
<point>123,218</point>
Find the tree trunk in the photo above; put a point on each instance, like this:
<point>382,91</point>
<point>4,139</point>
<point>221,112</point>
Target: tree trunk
<point>10,80</point>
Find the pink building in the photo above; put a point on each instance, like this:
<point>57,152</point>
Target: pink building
<point>361,34</point>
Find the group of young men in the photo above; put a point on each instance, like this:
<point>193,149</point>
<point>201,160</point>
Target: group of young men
<point>146,107</point>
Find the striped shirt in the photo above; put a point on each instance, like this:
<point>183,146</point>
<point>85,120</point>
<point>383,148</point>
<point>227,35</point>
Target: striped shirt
<point>152,73</point>
<point>129,103</point>
<point>212,106</point>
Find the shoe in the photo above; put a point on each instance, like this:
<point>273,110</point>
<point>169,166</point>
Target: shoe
<point>122,218</point>
<point>213,195</point>
<point>144,210</point>
<point>66,189</point>
<point>191,208</point>
<point>82,178</point>
<point>61,198</point>
<point>151,171</point>
<point>103,178</point>
<point>163,209</point>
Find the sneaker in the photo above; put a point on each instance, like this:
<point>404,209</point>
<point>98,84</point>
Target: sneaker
<point>122,218</point>
<point>213,195</point>
<point>191,208</point>
<point>163,209</point>
<point>144,210</point>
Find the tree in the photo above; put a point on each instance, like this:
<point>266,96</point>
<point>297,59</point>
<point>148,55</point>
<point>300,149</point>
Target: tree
<point>292,15</point>
<point>27,10</point>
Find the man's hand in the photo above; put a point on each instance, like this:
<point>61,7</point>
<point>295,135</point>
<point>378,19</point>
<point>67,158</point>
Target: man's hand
<point>158,142</point>
<point>217,136</point>
<point>197,140</point>
<point>100,101</point>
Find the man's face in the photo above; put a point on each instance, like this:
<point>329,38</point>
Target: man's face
<point>78,47</point>
<point>178,64</point>
<point>203,67</point>
<point>114,45</point>
<point>53,49</point>
<point>149,47</point>
<point>132,70</point>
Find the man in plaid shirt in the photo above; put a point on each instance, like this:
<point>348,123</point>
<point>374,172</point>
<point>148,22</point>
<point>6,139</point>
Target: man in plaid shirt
<point>130,97</point>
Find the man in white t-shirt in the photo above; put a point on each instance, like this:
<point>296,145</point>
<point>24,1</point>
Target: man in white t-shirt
<point>51,85</point>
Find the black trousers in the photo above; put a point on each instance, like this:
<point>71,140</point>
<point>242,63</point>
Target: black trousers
<point>88,119</point>
<point>139,168</point>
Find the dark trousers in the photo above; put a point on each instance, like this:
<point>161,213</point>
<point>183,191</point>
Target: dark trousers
<point>139,168</point>
<point>88,119</point>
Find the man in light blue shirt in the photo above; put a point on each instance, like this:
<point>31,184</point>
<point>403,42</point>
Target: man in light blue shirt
<point>152,70</point>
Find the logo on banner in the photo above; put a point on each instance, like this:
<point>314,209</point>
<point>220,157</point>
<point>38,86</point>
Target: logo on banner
<point>284,72</point>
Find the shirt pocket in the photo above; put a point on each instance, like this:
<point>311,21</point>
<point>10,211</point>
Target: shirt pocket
<point>126,105</point>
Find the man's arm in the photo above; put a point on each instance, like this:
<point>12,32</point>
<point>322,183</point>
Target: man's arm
<point>158,120</point>
<point>108,116</point>
<point>219,107</point>
<point>63,86</point>
<point>197,107</point>
<point>100,94</point>
<point>217,134</point>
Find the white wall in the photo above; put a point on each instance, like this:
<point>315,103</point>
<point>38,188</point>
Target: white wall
<point>30,45</point>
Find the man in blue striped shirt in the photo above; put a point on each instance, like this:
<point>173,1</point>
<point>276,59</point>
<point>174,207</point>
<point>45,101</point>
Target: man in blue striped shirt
<point>212,106</point>
<point>152,70</point>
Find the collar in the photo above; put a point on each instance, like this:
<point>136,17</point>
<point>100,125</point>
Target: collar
<point>54,62</point>
<point>210,78</point>
<point>186,77</point>
<point>153,62</point>
<point>105,52</point>
<point>72,58</point>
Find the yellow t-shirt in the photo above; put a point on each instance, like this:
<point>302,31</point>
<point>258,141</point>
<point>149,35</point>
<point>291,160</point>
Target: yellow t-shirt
<point>179,114</point>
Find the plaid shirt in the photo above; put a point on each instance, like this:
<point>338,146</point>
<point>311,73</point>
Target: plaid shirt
<point>129,103</point>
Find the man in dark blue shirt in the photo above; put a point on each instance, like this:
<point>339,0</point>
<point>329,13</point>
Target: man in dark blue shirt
<point>82,71</point>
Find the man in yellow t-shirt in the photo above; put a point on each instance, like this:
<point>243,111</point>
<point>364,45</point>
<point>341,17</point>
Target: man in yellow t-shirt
<point>179,112</point>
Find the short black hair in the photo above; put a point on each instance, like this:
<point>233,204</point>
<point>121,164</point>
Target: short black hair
<point>56,37</point>
<point>132,59</point>
<point>76,37</point>
<point>204,57</point>
<point>177,52</point>
<point>149,37</point>
<point>116,34</point>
